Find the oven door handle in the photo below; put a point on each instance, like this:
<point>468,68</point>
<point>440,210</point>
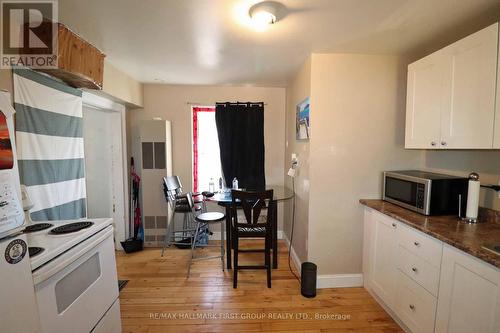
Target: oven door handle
<point>57,264</point>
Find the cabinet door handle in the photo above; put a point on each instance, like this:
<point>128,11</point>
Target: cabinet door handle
<point>414,269</point>
<point>412,307</point>
<point>433,143</point>
<point>443,143</point>
<point>416,243</point>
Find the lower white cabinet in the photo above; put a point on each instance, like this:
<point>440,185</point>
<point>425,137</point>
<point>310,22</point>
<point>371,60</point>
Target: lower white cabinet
<point>429,287</point>
<point>423,273</point>
<point>383,256</point>
<point>415,306</point>
<point>469,295</point>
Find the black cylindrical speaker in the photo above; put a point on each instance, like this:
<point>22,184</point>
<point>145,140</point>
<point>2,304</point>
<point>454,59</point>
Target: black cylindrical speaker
<point>308,279</point>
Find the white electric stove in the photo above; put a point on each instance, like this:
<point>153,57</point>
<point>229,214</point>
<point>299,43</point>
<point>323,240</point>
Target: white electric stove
<point>74,272</point>
<point>54,244</point>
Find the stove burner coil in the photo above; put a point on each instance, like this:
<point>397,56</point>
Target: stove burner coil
<point>35,250</point>
<point>71,227</point>
<point>37,227</point>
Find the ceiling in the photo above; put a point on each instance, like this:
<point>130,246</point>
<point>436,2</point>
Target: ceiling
<point>212,42</point>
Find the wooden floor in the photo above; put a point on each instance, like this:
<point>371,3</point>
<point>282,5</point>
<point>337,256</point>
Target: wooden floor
<point>159,298</point>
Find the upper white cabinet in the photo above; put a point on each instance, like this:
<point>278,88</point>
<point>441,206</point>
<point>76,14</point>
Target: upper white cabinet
<point>469,295</point>
<point>424,102</point>
<point>496,134</point>
<point>469,110</point>
<point>451,95</point>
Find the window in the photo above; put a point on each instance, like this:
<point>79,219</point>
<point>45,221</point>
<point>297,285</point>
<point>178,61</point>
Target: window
<point>206,155</point>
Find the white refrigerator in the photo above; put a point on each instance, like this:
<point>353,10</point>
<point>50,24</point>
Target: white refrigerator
<point>18,309</point>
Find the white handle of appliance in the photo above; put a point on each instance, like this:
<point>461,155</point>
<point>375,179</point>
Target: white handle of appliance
<point>53,267</point>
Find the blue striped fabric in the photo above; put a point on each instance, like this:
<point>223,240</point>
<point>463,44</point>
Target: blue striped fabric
<point>49,137</point>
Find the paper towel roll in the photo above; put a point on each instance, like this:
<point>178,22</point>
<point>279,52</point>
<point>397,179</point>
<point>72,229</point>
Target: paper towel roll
<point>473,199</point>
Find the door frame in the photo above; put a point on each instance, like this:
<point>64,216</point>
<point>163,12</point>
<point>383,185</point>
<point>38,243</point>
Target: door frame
<point>119,161</point>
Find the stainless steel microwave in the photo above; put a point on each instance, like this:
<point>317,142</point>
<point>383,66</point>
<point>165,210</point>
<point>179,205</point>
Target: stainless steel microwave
<point>426,192</point>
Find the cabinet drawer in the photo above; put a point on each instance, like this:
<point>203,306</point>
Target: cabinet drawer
<point>419,270</point>
<point>424,246</point>
<point>415,306</point>
<point>384,219</point>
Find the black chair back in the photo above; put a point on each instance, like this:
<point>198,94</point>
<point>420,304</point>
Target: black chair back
<point>172,188</point>
<point>189,199</point>
<point>172,183</point>
<point>252,204</point>
<point>177,181</point>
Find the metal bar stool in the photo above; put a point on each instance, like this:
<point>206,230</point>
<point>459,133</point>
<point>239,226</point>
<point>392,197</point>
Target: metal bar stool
<point>197,196</point>
<point>202,220</point>
<point>183,205</point>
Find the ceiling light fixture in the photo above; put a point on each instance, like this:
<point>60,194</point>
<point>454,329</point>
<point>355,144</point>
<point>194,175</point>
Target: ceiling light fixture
<point>264,14</point>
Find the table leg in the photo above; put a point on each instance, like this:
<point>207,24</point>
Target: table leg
<point>228,236</point>
<point>275,235</point>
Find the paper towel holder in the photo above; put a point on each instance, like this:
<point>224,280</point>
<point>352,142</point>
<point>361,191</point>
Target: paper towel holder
<point>470,220</point>
<point>476,220</point>
<point>465,219</point>
<point>492,187</point>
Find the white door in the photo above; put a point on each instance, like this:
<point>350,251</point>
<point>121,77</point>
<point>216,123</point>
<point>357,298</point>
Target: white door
<point>105,161</point>
<point>119,185</point>
<point>469,295</point>
<point>468,115</point>
<point>424,101</point>
<point>98,143</point>
<point>383,266</point>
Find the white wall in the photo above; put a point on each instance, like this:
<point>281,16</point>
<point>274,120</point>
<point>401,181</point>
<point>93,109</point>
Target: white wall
<point>357,131</point>
<point>298,89</point>
<point>121,86</point>
<point>462,162</point>
<point>170,102</point>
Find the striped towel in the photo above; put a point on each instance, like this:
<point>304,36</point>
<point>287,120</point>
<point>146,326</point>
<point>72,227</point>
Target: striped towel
<point>50,151</point>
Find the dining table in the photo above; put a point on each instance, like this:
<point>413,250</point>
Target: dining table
<point>224,199</point>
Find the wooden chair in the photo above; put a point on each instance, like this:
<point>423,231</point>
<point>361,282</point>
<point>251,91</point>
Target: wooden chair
<point>255,225</point>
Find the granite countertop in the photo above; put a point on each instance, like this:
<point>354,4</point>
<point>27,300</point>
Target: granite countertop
<point>449,229</point>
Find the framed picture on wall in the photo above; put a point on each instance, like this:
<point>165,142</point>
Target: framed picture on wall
<point>6,154</point>
<point>302,120</point>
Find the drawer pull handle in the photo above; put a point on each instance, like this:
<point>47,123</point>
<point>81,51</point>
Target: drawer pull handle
<point>414,269</point>
<point>416,243</point>
<point>412,307</point>
<point>394,225</point>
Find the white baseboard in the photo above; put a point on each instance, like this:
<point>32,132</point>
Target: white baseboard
<point>339,281</point>
<point>216,235</point>
<point>294,256</point>
<point>323,281</point>
<point>328,281</point>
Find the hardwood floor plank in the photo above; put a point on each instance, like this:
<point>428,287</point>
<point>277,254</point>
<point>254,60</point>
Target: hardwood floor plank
<point>159,298</point>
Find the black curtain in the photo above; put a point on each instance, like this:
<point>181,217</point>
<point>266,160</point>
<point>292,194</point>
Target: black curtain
<point>240,128</point>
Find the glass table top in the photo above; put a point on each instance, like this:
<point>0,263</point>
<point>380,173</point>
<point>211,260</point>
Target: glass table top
<point>280,193</point>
